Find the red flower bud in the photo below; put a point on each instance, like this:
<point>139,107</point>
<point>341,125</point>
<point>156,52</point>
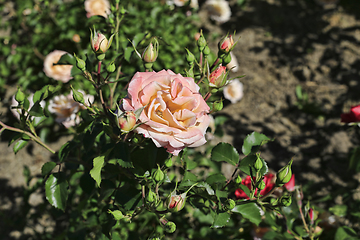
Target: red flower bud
<point>290,186</point>
<point>352,116</point>
<point>226,44</point>
<point>269,180</point>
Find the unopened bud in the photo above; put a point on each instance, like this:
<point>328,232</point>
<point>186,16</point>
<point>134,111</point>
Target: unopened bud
<point>170,227</point>
<point>177,202</point>
<point>258,164</point>
<point>201,42</point>
<point>127,121</point>
<point>190,58</point>
<point>80,64</point>
<point>218,77</point>
<point>111,67</point>
<point>229,204</point>
<point>284,174</point>
<point>311,215</point>
<point>218,106</point>
<point>168,162</point>
<point>151,197</point>
<point>158,175</point>
<point>286,200</point>
<point>151,52</point>
<point>206,51</point>
<point>261,185</point>
<point>226,59</point>
<point>77,96</point>
<point>19,96</point>
<point>226,44</point>
<point>238,179</point>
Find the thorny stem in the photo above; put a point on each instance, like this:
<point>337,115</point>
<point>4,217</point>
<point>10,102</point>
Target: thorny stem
<point>35,138</point>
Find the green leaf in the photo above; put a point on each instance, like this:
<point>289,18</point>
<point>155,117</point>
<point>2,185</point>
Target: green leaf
<point>121,155</point>
<point>66,149</point>
<point>66,59</point>
<point>19,145</point>
<point>208,188</point>
<point>95,172</point>
<point>339,210</point>
<point>249,211</point>
<point>247,163</point>
<point>47,168</point>
<point>128,197</point>
<point>216,178</point>
<point>221,220</point>
<point>56,190</point>
<point>345,233</point>
<point>225,152</point>
<point>253,139</point>
<point>75,71</point>
<point>117,214</point>
<point>36,110</point>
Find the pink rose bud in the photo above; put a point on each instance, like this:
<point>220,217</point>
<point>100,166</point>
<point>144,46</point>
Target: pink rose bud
<point>226,44</point>
<point>176,202</point>
<point>99,43</point>
<point>311,215</point>
<point>290,186</point>
<point>127,121</point>
<point>218,77</point>
<point>150,53</point>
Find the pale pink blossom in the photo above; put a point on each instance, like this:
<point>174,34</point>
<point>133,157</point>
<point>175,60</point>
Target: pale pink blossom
<point>57,72</point>
<point>97,7</point>
<point>219,10</point>
<point>233,65</point>
<point>234,91</point>
<point>175,114</point>
<point>66,109</point>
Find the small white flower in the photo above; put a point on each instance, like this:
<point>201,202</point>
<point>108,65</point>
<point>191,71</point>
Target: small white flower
<point>57,72</point>
<point>66,109</point>
<point>233,64</point>
<point>97,7</point>
<point>219,10</point>
<point>234,91</point>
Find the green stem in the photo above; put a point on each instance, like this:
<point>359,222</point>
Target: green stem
<point>33,137</point>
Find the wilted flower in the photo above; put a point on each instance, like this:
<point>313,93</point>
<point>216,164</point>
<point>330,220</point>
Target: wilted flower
<point>66,109</point>
<point>57,72</point>
<point>234,91</point>
<point>219,10</point>
<point>269,180</point>
<point>352,116</point>
<point>97,7</point>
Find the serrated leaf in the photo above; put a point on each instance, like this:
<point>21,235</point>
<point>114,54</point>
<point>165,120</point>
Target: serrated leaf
<point>247,163</point>
<point>117,214</point>
<point>95,172</point>
<point>47,168</point>
<point>208,188</point>
<point>19,145</point>
<point>249,211</point>
<point>56,190</point>
<point>216,178</point>
<point>221,220</point>
<point>253,139</point>
<point>225,152</point>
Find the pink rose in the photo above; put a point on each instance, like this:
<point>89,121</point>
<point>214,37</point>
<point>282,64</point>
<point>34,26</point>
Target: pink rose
<point>175,114</point>
<point>352,116</point>
<point>57,72</point>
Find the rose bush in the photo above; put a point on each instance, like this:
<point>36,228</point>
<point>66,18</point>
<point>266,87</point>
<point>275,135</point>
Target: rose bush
<point>174,115</point>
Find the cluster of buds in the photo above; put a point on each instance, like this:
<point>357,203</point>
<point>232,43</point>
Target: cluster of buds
<point>100,44</point>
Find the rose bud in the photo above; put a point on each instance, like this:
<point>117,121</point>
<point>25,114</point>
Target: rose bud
<point>80,64</point>
<point>284,175</point>
<point>20,96</point>
<point>286,200</point>
<point>352,116</point>
<point>100,44</point>
<point>151,197</point>
<point>311,215</point>
<point>229,204</point>
<point>258,164</point>
<point>201,42</point>
<point>151,52</point>
<point>177,202</point>
<point>226,44</point>
<point>77,96</point>
<point>290,186</point>
<point>218,77</point>
<point>170,227</point>
<point>190,58</point>
<point>158,175</point>
<point>127,121</point>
